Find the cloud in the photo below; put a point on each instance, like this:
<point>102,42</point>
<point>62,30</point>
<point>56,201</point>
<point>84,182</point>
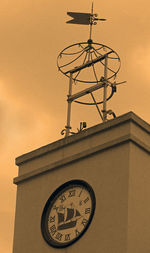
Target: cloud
<point>140,60</point>
<point>33,93</point>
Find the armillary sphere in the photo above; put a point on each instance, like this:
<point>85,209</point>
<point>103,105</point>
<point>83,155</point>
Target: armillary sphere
<point>86,63</point>
<point>80,54</point>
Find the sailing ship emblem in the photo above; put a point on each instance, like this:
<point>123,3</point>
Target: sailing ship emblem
<point>68,218</point>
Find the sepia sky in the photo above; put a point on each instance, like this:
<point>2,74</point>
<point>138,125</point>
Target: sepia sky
<point>33,92</point>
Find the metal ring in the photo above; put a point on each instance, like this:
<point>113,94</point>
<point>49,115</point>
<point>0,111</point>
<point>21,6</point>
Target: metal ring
<point>100,102</point>
<point>86,47</point>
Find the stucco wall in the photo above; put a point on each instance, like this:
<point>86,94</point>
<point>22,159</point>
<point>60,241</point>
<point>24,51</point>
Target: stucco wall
<point>113,157</point>
<point>139,201</point>
<point>107,173</point>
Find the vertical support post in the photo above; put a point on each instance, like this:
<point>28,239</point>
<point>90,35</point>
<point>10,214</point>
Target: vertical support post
<point>105,90</point>
<point>68,127</point>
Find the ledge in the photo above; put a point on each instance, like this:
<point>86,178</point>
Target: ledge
<point>99,148</point>
<point>130,116</point>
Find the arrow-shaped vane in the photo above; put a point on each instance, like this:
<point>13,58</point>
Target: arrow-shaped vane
<point>79,18</point>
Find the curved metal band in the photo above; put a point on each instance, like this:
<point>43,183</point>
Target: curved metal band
<point>84,50</point>
<point>100,102</point>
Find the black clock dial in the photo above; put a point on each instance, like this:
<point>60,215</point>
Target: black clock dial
<point>68,213</point>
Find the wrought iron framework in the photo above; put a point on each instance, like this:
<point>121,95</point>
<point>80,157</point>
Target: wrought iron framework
<point>90,63</point>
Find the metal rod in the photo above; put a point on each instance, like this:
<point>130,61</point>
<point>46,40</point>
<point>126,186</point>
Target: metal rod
<point>86,91</point>
<point>90,36</point>
<point>91,23</point>
<point>96,106</point>
<point>94,69</point>
<point>80,69</point>
<point>105,91</point>
<point>68,126</point>
<point>62,66</point>
<point>101,61</point>
<point>88,64</point>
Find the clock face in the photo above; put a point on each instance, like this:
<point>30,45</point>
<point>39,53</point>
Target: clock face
<point>68,213</point>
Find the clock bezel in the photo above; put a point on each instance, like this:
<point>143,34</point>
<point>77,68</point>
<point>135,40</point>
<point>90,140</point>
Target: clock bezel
<point>49,204</point>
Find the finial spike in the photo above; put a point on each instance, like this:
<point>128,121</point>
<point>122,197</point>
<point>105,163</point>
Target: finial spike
<point>92,7</point>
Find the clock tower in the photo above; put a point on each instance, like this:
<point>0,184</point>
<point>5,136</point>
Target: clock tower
<point>88,192</point>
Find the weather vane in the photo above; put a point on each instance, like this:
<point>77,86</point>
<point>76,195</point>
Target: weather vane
<point>90,63</point>
<point>84,19</point>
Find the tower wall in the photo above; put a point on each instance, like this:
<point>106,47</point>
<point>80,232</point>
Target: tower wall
<point>139,201</point>
<point>113,158</point>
